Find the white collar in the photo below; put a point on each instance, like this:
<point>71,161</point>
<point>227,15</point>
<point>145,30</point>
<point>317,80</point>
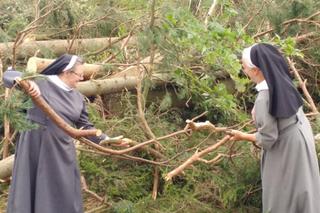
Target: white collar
<point>57,81</point>
<point>262,86</point>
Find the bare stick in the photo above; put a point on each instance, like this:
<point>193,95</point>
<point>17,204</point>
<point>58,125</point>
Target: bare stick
<point>80,26</point>
<point>210,12</point>
<point>30,27</point>
<point>123,45</point>
<point>86,189</point>
<point>6,124</point>
<point>254,16</point>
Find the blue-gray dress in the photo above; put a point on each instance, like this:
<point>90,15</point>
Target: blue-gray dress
<point>289,165</point>
<point>46,176</point>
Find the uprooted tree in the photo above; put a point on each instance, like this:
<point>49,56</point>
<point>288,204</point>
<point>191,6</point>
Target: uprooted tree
<point>188,50</point>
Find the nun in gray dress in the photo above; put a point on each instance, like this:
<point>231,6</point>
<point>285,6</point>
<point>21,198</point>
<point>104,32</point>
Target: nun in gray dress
<point>46,176</point>
<point>289,164</point>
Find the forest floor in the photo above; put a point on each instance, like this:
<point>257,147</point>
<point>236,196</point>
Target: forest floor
<point>91,205</point>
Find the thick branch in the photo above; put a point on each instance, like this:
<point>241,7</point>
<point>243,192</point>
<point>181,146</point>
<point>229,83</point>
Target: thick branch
<point>44,106</point>
<point>195,158</point>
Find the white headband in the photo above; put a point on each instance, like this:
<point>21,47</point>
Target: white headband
<point>71,63</point>
<point>246,56</point>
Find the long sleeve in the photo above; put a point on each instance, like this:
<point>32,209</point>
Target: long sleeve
<point>267,128</point>
<point>84,123</point>
<point>9,77</point>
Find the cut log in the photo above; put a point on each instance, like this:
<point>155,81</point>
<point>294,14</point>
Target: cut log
<point>134,71</point>
<point>114,85</point>
<point>57,47</point>
<point>6,166</point>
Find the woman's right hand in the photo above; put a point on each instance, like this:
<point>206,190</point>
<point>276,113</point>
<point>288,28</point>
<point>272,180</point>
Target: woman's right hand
<point>34,90</point>
<point>241,136</point>
<point>236,135</point>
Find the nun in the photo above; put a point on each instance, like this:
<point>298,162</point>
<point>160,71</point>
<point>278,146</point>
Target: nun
<point>46,177</point>
<point>289,164</point>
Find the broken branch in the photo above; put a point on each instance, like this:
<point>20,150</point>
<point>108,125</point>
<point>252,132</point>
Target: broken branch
<point>195,157</point>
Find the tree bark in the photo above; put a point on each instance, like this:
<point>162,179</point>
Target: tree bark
<point>114,85</point>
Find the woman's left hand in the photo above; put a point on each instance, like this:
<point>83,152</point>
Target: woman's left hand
<point>34,90</point>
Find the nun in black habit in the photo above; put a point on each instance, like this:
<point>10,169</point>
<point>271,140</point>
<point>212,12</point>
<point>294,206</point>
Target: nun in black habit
<point>46,176</point>
<point>289,164</point>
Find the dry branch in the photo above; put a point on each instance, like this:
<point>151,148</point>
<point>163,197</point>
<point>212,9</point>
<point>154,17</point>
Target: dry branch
<point>6,124</point>
<point>196,157</point>
<point>254,16</point>
<point>80,26</point>
<point>134,69</point>
<point>210,12</point>
<point>29,28</point>
<point>86,189</point>
<point>292,21</point>
<point>303,37</point>
<point>303,86</point>
<point>43,105</point>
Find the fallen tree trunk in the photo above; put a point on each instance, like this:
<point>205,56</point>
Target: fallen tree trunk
<point>58,47</point>
<point>114,85</point>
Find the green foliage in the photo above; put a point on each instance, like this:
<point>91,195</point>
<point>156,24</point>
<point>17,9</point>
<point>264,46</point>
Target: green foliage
<point>290,10</point>
<point>199,58</point>
<point>239,182</point>
<point>288,46</point>
<point>14,109</point>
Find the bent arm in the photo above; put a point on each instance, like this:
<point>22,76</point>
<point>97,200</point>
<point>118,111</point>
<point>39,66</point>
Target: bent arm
<point>267,125</point>
<point>84,123</point>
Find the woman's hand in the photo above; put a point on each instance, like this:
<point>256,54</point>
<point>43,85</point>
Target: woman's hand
<point>236,135</point>
<point>34,90</point>
<point>116,141</point>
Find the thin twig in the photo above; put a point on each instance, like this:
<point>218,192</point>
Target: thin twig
<point>254,16</point>
<point>29,28</point>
